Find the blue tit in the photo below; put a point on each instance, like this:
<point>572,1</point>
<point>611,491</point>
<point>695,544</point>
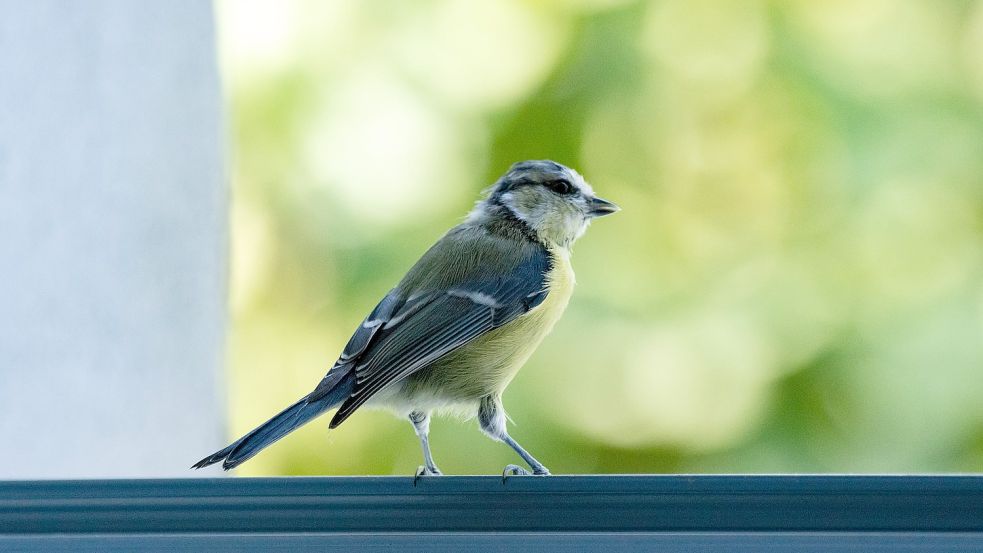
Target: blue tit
<point>456,329</point>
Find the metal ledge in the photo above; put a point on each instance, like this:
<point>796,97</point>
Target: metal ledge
<point>512,541</point>
<point>486,504</point>
<point>689,513</point>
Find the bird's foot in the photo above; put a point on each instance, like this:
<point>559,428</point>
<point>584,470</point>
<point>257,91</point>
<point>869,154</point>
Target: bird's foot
<point>516,470</point>
<point>426,471</point>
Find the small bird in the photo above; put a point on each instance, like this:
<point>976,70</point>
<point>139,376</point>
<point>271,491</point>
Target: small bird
<point>456,329</point>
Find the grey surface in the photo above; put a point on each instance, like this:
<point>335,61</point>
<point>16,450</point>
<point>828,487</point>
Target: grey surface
<point>112,238</point>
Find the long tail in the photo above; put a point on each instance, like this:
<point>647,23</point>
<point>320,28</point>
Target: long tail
<point>328,395</point>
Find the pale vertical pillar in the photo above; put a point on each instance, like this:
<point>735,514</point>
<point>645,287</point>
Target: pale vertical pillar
<point>113,238</point>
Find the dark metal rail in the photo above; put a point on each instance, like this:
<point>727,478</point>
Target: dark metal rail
<point>684,513</point>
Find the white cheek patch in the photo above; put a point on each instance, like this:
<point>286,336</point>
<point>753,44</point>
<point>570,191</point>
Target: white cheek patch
<point>583,228</point>
<point>509,201</point>
<point>576,224</point>
<point>561,220</point>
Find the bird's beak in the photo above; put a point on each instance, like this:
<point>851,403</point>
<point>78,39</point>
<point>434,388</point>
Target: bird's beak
<point>599,207</point>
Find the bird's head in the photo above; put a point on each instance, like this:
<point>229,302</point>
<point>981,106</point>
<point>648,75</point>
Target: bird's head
<point>554,201</point>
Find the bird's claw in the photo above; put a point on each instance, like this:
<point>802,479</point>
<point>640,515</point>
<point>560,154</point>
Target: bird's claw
<point>425,471</point>
<point>516,470</point>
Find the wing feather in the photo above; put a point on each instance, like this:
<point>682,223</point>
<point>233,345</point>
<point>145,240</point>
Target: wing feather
<point>447,324</point>
<point>413,326</point>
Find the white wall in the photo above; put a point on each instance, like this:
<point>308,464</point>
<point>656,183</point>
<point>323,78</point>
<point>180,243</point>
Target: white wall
<point>113,238</point>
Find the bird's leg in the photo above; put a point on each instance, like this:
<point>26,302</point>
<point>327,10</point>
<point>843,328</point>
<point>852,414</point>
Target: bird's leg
<point>421,423</point>
<point>513,470</point>
<point>491,418</point>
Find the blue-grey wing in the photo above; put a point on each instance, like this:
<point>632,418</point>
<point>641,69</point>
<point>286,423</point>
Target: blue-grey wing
<point>405,335</point>
<point>360,340</point>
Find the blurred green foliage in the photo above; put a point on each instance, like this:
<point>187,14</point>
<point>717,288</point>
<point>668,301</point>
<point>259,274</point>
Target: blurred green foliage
<point>794,283</point>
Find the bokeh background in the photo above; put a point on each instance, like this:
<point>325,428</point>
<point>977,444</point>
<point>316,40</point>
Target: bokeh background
<point>794,284</point>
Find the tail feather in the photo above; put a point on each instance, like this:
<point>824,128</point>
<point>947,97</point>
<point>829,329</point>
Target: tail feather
<point>282,424</point>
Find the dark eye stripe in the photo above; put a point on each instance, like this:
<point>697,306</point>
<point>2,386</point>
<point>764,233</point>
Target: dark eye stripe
<point>560,186</point>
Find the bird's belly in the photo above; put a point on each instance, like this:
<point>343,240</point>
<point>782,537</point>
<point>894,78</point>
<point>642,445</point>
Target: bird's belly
<point>488,364</point>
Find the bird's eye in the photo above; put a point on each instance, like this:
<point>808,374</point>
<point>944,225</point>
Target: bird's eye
<point>560,186</point>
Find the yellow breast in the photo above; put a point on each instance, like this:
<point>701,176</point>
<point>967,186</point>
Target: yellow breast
<point>487,365</point>
<point>540,321</point>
